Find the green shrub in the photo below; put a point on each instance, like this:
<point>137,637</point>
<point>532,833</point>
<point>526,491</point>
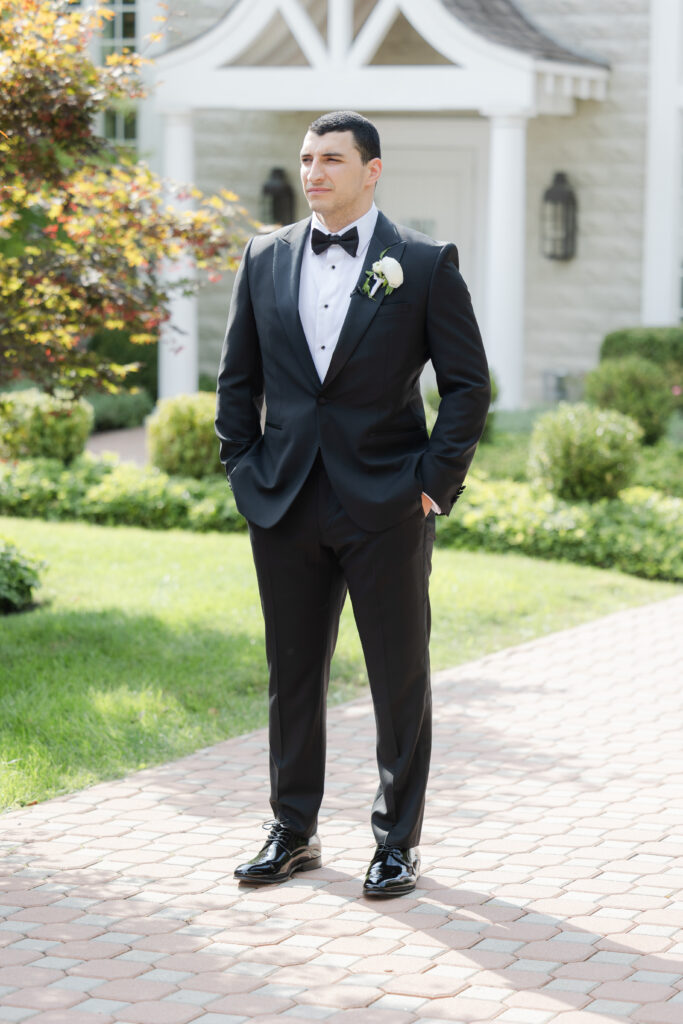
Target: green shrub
<point>18,576</point>
<point>34,424</point>
<point>181,435</point>
<point>207,382</point>
<point>102,490</point>
<point>583,454</point>
<point>661,467</point>
<point>641,532</point>
<point>117,347</point>
<point>663,345</point>
<point>636,387</point>
<point>121,411</point>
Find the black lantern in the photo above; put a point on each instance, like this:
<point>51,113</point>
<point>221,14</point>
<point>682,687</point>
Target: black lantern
<point>278,198</point>
<point>558,219</point>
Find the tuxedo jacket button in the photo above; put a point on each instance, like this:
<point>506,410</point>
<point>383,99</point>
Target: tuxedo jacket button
<point>322,400</point>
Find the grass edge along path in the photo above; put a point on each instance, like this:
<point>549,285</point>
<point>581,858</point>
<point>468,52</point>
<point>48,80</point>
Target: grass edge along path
<point>147,645</point>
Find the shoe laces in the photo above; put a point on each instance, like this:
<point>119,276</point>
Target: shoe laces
<point>277,831</point>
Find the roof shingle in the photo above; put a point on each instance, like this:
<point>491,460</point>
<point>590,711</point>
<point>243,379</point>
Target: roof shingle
<point>501,21</point>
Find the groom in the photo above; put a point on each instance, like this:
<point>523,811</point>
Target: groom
<point>340,482</point>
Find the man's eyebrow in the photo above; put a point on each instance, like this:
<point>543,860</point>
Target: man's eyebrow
<point>328,152</point>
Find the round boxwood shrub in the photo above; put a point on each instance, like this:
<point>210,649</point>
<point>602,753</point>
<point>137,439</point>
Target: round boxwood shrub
<point>638,388</point>
<point>34,424</point>
<point>18,577</point>
<point>581,453</point>
<point>181,436</point>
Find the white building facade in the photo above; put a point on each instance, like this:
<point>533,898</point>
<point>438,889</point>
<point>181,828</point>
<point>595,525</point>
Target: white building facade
<point>479,104</point>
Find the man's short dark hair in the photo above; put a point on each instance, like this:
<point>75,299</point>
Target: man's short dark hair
<point>365,135</point>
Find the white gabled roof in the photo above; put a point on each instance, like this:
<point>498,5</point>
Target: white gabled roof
<point>495,61</point>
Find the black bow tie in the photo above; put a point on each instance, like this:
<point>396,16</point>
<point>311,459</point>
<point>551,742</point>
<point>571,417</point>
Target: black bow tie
<point>348,241</point>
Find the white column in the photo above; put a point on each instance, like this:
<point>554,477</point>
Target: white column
<point>339,29</point>
<point>661,243</point>
<point>178,346</point>
<point>504,284</point>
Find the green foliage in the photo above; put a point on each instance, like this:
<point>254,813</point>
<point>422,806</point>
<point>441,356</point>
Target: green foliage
<point>18,577</point>
<point>123,410</point>
<point>115,345</point>
<point>641,532</point>
<point>101,490</point>
<point>663,345</point>
<point>207,382</point>
<point>84,227</point>
<point>33,424</point>
<point>583,454</point>
<point>489,426</point>
<point>636,387</point>
<point>504,457</point>
<point>661,466</point>
<point>181,435</point>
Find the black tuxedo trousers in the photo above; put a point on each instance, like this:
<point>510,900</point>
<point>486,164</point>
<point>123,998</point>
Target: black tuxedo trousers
<point>305,565</point>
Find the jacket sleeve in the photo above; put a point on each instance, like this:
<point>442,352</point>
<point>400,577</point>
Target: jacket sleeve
<point>239,394</point>
<point>462,377</point>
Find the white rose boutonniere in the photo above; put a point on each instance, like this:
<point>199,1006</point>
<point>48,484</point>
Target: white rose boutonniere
<point>386,273</point>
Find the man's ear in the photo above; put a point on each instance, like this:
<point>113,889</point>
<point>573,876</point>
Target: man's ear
<point>374,169</point>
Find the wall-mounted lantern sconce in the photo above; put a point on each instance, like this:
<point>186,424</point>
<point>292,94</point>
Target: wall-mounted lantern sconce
<point>558,219</point>
<point>277,198</point>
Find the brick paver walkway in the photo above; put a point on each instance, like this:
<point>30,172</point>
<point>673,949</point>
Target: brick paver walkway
<point>553,865</point>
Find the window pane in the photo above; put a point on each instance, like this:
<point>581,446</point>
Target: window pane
<point>130,126</point>
<point>106,50</point>
<point>109,124</point>
<point>128,20</point>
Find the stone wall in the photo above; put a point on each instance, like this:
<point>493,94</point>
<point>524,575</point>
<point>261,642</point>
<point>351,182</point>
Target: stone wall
<point>571,306</point>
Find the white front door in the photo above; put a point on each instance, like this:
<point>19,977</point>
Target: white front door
<point>435,180</point>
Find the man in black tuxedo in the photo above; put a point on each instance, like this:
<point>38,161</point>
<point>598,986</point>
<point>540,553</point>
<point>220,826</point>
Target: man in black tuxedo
<point>331,323</point>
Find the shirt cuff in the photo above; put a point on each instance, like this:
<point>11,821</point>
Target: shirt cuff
<point>435,508</point>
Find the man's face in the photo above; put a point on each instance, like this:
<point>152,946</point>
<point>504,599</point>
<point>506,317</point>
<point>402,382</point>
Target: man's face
<point>339,187</point>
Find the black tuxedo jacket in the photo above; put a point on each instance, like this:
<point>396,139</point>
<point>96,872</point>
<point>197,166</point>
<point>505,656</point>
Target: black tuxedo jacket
<point>366,417</point>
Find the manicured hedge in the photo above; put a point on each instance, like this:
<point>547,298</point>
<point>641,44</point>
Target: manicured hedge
<point>641,532</point>
<point>663,345</point>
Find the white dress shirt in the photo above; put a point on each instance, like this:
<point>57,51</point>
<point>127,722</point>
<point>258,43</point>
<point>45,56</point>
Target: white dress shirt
<point>325,287</point>
<point>327,280</point>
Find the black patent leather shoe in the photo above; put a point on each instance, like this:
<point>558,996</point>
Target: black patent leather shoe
<point>283,853</point>
<point>393,871</point>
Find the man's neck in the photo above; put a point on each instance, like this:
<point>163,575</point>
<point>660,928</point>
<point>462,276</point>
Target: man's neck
<point>335,225</point>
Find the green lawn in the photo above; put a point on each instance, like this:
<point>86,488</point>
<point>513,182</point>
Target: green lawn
<point>148,645</point>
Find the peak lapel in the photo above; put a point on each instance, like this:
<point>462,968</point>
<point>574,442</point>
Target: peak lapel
<point>362,309</point>
<point>288,256</point>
